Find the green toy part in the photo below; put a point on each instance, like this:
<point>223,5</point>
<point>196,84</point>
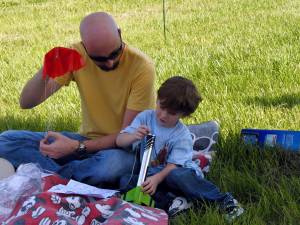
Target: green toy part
<point>136,195</point>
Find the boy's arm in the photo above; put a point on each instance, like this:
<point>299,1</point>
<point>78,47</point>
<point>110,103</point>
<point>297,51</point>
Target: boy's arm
<point>125,139</point>
<point>151,183</point>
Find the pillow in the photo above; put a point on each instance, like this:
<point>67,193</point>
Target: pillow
<point>205,136</point>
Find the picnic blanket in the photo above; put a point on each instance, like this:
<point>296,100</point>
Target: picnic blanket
<point>48,208</point>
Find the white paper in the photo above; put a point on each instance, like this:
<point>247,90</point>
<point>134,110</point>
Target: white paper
<point>75,187</point>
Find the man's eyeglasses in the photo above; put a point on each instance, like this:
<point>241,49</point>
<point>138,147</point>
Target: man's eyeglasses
<point>111,56</point>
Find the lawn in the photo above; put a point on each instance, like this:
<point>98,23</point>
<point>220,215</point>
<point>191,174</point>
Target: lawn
<point>244,56</point>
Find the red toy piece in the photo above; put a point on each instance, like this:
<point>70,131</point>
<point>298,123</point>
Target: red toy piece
<point>59,61</point>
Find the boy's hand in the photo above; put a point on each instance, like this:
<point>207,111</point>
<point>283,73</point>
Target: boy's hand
<point>150,185</point>
<point>125,139</point>
<point>141,132</point>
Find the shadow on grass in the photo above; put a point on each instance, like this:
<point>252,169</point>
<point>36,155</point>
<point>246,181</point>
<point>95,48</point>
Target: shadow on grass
<point>248,170</point>
<point>36,123</point>
<point>284,101</point>
<point>233,152</point>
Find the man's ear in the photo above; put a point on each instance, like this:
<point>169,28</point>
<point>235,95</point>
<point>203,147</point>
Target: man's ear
<point>119,31</point>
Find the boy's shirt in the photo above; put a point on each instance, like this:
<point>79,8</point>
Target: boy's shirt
<point>172,145</point>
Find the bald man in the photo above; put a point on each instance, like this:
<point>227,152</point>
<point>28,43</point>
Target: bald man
<point>115,84</point>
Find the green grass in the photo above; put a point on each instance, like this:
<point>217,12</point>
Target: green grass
<point>243,55</point>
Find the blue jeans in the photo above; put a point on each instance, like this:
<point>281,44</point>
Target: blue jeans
<point>103,168</point>
<point>180,182</point>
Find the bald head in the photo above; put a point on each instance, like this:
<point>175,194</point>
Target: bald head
<point>99,33</point>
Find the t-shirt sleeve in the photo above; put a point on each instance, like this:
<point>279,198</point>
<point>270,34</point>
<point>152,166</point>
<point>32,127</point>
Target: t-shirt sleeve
<point>65,79</point>
<point>181,151</point>
<point>142,94</point>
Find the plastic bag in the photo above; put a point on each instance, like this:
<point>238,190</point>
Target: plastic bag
<point>27,181</point>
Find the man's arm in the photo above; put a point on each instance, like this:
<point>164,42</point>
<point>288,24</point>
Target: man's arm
<point>63,146</point>
<point>37,90</point>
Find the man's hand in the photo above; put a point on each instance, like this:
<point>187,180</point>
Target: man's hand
<point>141,132</point>
<point>59,146</point>
<point>151,183</point>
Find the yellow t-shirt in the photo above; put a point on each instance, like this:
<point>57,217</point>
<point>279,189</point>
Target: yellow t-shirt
<point>106,95</point>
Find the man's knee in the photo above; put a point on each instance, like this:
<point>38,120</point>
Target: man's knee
<point>8,134</point>
<point>16,135</point>
<point>105,167</point>
<point>117,162</point>
<point>99,176</point>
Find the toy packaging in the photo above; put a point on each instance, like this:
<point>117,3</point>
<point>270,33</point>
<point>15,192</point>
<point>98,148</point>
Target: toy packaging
<point>285,139</point>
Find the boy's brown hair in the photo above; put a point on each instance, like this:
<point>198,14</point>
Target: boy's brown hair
<point>179,95</point>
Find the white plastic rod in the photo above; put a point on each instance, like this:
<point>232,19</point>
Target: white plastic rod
<point>147,147</point>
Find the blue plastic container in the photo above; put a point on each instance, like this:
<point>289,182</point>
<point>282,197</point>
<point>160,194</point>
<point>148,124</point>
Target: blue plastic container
<point>285,139</point>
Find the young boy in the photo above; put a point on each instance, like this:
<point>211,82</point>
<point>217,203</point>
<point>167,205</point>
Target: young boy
<point>172,168</point>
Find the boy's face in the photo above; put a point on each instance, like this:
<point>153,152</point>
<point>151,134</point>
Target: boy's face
<point>165,117</point>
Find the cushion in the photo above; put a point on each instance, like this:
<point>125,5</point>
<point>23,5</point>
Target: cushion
<point>205,136</point>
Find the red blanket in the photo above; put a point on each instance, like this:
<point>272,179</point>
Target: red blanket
<point>59,209</point>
